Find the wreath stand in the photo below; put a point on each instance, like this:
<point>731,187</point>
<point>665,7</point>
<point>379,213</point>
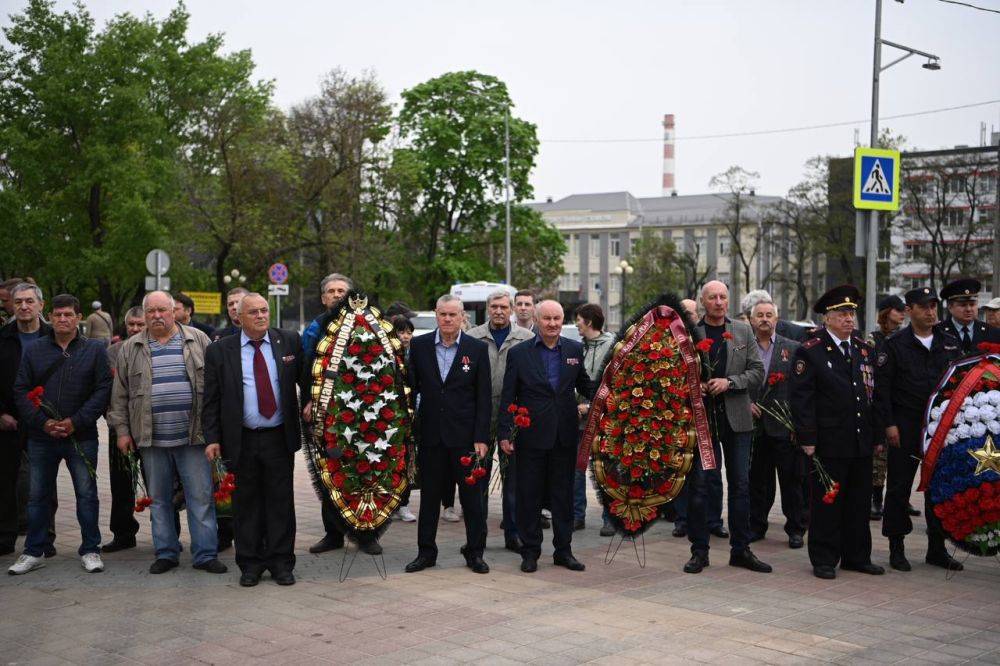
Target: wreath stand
<point>609,556</point>
<point>347,562</point>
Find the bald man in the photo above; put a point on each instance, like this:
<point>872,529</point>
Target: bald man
<point>543,374</point>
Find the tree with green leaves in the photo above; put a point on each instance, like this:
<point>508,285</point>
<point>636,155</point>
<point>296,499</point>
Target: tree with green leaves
<point>657,270</point>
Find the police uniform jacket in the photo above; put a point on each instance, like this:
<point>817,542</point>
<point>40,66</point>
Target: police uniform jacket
<point>980,333</point>
<point>830,397</point>
<point>906,373</point>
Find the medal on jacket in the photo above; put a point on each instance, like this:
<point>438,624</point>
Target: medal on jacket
<point>465,364</point>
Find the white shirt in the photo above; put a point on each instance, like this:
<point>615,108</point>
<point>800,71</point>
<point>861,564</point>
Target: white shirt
<point>926,342</point>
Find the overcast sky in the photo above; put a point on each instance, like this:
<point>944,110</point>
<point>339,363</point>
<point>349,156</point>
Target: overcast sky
<point>602,70</point>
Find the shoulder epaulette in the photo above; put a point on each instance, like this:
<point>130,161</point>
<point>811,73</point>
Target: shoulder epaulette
<point>811,342</point>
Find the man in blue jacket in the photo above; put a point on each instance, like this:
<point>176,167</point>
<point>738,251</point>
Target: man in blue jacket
<point>74,373</point>
<point>543,375</point>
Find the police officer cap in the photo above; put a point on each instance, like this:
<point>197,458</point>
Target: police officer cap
<point>965,289</point>
<point>921,296</point>
<point>891,302</point>
<point>846,296</point>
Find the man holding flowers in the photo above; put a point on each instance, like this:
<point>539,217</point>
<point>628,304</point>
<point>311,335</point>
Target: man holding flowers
<point>62,388</point>
<point>156,408</point>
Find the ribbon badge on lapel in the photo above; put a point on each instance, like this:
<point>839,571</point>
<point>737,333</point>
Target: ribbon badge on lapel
<point>784,355</point>
<point>465,363</point>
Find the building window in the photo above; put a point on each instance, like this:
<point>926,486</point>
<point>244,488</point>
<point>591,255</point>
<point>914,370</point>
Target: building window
<point>723,248</point>
<point>956,217</point>
<point>594,283</point>
<point>955,185</point>
<point>884,283</point>
<point>572,243</point>
<point>615,284</point>
<point>616,246</point>
<point>631,245</point>
<point>910,252</point>
<point>595,246</point>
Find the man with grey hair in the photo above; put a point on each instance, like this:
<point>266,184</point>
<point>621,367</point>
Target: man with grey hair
<point>332,290</point>
<point>784,328</point>
<point>26,327</point>
<point>450,372</point>
<point>156,407</point>
<point>500,334</point>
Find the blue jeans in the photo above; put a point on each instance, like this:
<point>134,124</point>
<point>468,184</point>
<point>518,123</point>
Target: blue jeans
<point>580,495</point>
<point>195,472</point>
<point>736,447</point>
<point>44,459</point>
<point>714,500</point>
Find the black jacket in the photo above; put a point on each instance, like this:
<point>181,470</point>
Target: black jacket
<point>456,413</point>
<point>10,361</point>
<point>222,419</point>
<point>79,390</point>
<point>980,333</point>
<point>791,331</point>
<point>553,413</point>
<point>830,399</point>
<point>906,373</point>
<point>782,360</point>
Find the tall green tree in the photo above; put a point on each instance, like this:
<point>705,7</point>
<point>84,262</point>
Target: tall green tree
<point>657,270</point>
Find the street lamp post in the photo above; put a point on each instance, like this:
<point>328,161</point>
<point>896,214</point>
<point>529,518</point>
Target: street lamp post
<point>871,251</point>
<point>624,269</point>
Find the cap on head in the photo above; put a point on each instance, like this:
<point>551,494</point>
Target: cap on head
<point>963,289</point>
<point>844,297</point>
<point>96,305</point>
<point>994,304</point>
<point>891,302</point>
<point>921,296</point>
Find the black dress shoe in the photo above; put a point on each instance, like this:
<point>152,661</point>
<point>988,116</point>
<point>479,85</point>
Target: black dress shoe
<point>748,560</point>
<point>249,578</point>
<point>721,532</point>
<point>514,545</point>
<point>824,572</point>
<point>283,578</point>
<point>944,560</point>
<point>419,564</point>
<point>898,561</point>
<point>117,544</point>
<point>212,566</point>
<point>696,563</point>
<point>371,547</point>
<point>529,564</point>
<point>325,544</point>
<point>162,566</point>
<point>478,565</point>
<point>795,541</point>
<point>569,562</point>
<point>579,524</point>
<point>912,511</point>
<point>680,531</point>
<point>866,568</point>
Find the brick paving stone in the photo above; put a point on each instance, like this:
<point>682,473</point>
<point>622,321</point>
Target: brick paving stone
<point>616,613</point>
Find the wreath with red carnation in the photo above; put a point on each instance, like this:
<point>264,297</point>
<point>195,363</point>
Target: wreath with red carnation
<point>359,451</point>
<point>646,418</point>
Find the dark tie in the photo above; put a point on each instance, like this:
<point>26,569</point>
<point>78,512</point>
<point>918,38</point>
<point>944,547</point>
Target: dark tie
<point>846,347</point>
<point>266,404</point>
<point>966,341</point>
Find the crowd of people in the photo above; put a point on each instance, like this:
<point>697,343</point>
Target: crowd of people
<point>180,398</point>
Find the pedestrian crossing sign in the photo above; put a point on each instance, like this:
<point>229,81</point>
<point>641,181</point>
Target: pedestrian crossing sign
<point>876,179</point>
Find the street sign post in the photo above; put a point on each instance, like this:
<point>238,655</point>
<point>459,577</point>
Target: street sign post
<point>157,263</point>
<point>277,290</point>
<point>278,273</point>
<point>876,179</point>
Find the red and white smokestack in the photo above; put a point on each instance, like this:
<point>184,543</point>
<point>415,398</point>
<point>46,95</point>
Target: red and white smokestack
<point>668,155</point>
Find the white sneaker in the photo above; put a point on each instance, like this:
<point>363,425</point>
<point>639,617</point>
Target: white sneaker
<point>451,515</point>
<point>26,563</point>
<point>406,515</point>
<point>92,562</point>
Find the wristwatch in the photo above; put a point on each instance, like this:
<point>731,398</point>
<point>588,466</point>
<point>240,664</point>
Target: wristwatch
<point>731,384</point>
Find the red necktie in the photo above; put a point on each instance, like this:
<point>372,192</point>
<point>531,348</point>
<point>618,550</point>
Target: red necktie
<point>266,404</point>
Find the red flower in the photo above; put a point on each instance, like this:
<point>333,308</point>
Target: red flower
<point>367,359</point>
<point>726,335</point>
<point>465,460</point>
<point>371,437</point>
<point>387,413</point>
<point>511,408</point>
<point>338,480</point>
<point>523,411</point>
<point>332,465</point>
<point>636,492</point>
<point>368,398</point>
<point>775,378</point>
<point>704,345</point>
<point>989,347</point>
<point>354,349</point>
<point>522,421</point>
<point>636,472</point>
<point>479,472</point>
<point>470,480</point>
<point>828,498</point>
<point>401,464</point>
<point>387,381</point>
<point>381,426</point>
<point>348,377</point>
<point>347,416</point>
<point>363,466</point>
<point>36,395</point>
<point>382,465</point>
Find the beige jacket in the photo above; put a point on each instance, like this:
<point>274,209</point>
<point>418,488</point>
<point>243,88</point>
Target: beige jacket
<point>498,357</point>
<point>131,410</point>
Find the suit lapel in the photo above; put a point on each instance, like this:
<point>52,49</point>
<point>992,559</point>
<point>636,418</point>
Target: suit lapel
<point>234,355</point>
<point>730,346</point>
<point>276,349</point>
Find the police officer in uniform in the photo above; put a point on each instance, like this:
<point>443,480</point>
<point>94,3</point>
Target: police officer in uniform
<point>832,383</point>
<point>908,368</point>
<point>962,298</point>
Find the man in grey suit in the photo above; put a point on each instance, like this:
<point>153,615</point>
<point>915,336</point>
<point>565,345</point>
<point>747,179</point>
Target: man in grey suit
<point>734,368</point>
<point>773,449</point>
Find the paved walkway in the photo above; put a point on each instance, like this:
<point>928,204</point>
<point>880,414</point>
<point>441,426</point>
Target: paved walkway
<point>608,614</point>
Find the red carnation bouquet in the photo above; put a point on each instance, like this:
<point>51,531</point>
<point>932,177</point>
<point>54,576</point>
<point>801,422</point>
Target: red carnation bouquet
<point>225,484</point>
<point>36,397</point>
<point>522,420</point>
<point>139,490</point>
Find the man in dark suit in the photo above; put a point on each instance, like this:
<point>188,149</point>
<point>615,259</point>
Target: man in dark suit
<point>450,372</point>
<point>831,401</point>
<point>543,375</point>
<point>962,297</point>
<point>773,449</point>
<point>251,419</point>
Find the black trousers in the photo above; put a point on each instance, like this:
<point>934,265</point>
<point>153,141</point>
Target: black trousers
<point>901,468</point>
<point>10,465</point>
<point>545,476</point>
<point>123,523</point>
<point>330,525</point>
<point>840,532</point>
<point>774,455</point>
<point>440,466</point>
<point>263,504</point>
